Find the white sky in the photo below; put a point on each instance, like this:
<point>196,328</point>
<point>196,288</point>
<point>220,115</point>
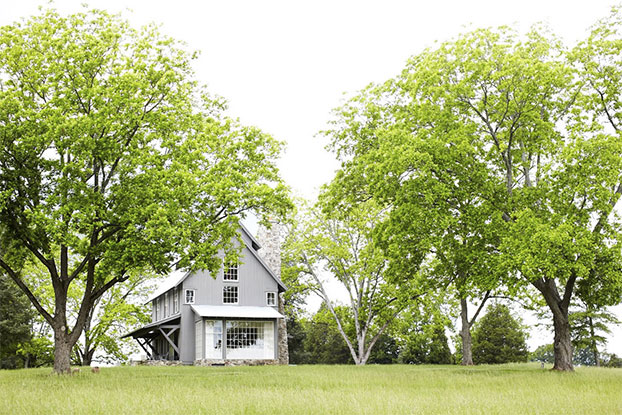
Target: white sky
<point>283,65</point>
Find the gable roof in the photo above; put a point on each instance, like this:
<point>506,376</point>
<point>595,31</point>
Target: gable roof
<point>178,276</point>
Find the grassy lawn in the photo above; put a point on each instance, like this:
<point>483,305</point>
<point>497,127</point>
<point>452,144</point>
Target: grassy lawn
<point>505,389</point>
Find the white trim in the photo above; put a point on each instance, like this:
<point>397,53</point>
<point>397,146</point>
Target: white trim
<point>238,311</point>
<point>268,300</point>
<point>236,288</point>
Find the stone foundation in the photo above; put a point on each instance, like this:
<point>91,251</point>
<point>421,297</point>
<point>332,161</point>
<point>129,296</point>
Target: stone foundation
<point>156,363</point>
<point>236,362</point>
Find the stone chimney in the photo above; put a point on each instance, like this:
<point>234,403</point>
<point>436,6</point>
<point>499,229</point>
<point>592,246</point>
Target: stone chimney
<point>270,241</point>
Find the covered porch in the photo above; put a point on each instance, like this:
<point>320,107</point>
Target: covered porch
<point>160,339</point>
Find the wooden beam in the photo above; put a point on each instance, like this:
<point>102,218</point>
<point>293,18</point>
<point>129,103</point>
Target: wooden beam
<point>144,348</point>
<point>169,340</point>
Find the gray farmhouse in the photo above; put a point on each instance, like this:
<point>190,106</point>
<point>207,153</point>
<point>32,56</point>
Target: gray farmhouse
<point>233,318</point>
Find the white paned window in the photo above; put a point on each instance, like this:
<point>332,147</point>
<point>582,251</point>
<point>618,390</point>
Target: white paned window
<point>159,308</point>
<point>250,340</point>
<point>175,300</point>
<point>230,294</point>
<point>213,339</point>
<point>189,297</point>
<point>271,298</point>
<point>231,272</point>
<point>165,305</point>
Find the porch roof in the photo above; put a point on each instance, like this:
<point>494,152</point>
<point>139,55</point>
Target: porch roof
<point>236,311</point>
<point>151,329</point>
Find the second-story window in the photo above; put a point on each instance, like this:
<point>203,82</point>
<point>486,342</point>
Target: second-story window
<point>231,272</point>
<point>189,296</point>
<point>165,305</point>
<point>271,298</point>
<point>159,308</point>
<point>155,309</point>
<point>230,294</point>
<point>175,300</point>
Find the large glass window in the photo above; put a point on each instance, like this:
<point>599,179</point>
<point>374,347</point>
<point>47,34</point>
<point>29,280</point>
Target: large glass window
<point>230,294</point>
<point>231,272</point>
<point>213,339</point>
<point>250,340</point>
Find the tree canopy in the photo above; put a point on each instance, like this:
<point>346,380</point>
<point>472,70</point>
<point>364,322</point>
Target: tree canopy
<point>115,160</point>
<point>514,131</point>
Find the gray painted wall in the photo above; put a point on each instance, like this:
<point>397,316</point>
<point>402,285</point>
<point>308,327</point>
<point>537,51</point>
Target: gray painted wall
<point>254,281</point>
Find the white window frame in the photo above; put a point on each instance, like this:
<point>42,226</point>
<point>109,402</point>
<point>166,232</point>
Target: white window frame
<point>175,300</point>
<point>274,303</point>
<point>226,271</point>
<point>159,309</point>
<point>186,296</point>
<point>166,307</point>
<point>234,288</point>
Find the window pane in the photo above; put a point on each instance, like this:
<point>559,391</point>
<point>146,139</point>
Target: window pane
<point>231,272</point>
<point>230,295</point>
<point>213,339</point>
<point>250,340</point>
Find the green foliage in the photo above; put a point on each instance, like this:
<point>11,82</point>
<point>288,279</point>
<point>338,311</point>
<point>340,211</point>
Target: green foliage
<point>16,317</point>
<point>499,338</point>
<point>115,161</point>
<point>323,342</point>
<point>37,352</point>
<point>425,348</point>
<point>543,353</point>
<point>341,246</point>
<point>614,361</point>
<point>421,333</point>
<point>500,155</point>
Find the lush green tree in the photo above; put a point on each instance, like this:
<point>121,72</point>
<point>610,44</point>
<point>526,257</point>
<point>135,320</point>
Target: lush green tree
<point>589,327</point>
<point>421,333</point>
<point>386,351</point>
<point>544,354</point>
<point>499,337</point>
<point>614,361</point>
<point>16,317</point>
<point>324,343</point>
<point>117,312</point>
<point>341,248</point>
<point>114,161</point>
<point>527,130</point>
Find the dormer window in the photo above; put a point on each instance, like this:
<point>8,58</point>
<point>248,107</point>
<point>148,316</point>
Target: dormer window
<point>189,296</point>
<point>231,272</point>
<point>271,298</point>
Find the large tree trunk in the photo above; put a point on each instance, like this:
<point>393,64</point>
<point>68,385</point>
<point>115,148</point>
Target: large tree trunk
<point>465,334</point>
<point>562,343</point>
<point>62,351</point>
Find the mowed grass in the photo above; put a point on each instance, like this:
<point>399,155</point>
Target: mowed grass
<point>396,389</point>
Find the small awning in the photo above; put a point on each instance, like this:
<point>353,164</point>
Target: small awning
<point>236,311</point>
<point>151,329</point>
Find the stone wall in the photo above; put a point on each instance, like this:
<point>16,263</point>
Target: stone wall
<point>236,362</point>
<point>270,241</point>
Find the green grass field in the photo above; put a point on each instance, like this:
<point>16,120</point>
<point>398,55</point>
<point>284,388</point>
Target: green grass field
<point>504,389</point>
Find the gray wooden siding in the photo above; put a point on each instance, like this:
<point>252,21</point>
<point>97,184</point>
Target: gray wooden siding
<point>253,283</point>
